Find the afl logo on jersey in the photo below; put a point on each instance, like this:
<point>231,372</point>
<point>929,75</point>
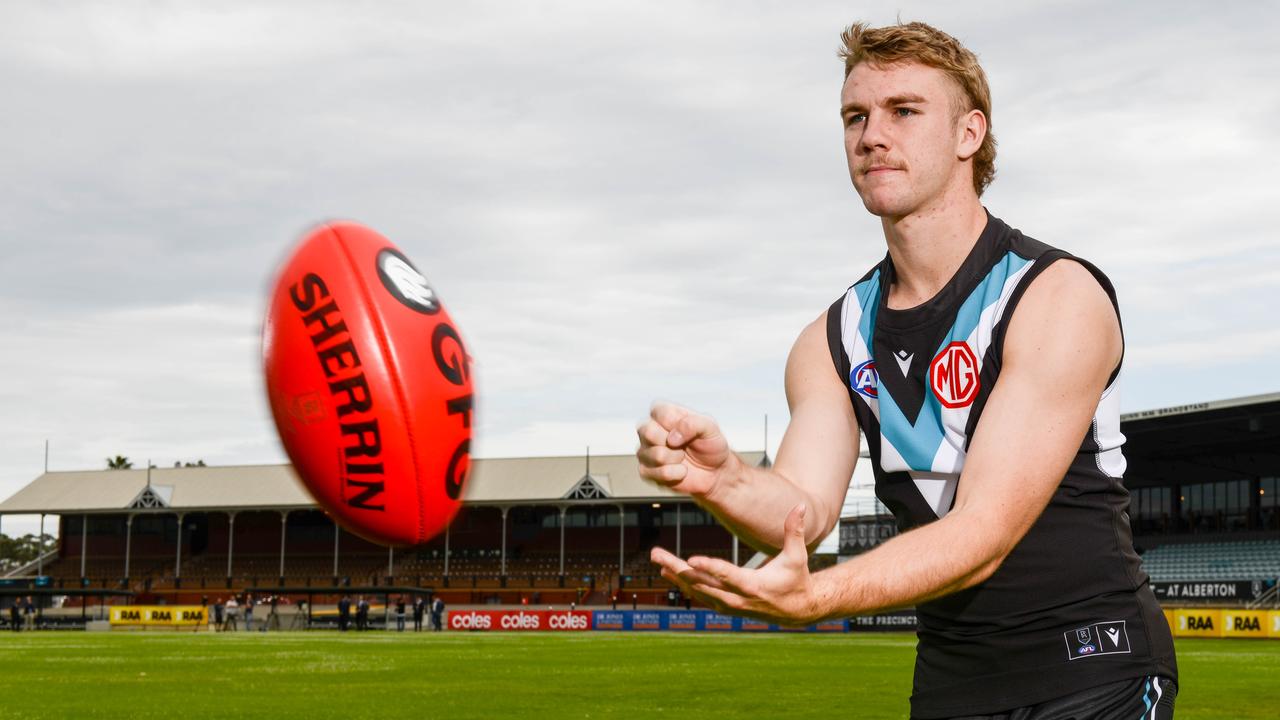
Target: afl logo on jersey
<point>866,380</point>
<point>953,375</point>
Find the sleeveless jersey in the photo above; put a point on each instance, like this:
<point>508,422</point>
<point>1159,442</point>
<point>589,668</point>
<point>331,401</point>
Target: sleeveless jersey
<point>1070,608</point>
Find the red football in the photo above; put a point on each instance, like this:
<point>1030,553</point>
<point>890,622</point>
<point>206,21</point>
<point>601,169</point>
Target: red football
<point>369,384</point>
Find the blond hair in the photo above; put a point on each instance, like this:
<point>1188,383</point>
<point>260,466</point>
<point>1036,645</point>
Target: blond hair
<point>924,44</point>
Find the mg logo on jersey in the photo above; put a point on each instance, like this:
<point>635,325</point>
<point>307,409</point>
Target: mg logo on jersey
<point>953,375</point>
<point>866,380</point>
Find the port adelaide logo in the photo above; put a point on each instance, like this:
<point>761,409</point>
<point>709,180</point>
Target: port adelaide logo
<point>866,380</point>
<point>953,375</point>
<point>404,281</point>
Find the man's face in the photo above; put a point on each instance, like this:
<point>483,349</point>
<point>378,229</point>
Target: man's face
<point>902,136</point>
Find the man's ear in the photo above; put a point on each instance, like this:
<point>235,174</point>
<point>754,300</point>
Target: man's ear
<point>971,130</point>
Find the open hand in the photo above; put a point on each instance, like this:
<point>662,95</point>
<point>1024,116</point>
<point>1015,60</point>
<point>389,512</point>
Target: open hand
<point>781,591</point>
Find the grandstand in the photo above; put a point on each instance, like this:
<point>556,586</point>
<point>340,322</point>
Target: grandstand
<point>1226,560</point>
<point>1204,482</point>
<point>543,530</point>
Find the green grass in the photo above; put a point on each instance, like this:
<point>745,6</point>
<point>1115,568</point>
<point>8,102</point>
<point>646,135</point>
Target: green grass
<point>483,675</point>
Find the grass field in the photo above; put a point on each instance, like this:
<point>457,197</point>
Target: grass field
<point>492,675</point>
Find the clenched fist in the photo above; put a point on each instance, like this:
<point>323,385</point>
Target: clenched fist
<point>683,450</point>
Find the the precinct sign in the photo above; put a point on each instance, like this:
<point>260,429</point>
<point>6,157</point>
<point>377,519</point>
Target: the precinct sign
<point>889,621</point>
<point>1228,590</point>
<point>159,615</point>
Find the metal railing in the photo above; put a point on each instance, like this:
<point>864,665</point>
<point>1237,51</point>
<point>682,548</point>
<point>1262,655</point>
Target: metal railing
<point>1269,598</point>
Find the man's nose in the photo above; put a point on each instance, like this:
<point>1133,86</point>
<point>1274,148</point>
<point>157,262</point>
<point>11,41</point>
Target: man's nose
<point>875,134</point>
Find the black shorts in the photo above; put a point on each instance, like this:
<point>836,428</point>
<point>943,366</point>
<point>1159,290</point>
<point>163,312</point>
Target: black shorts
<point>1144,698</point>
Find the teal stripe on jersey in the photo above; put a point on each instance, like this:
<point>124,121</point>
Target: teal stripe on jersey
<point>918,444</point>
<point>984,296</point>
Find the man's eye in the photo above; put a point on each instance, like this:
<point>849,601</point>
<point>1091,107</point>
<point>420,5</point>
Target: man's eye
<point>854,118</point>
<point>904,112</point>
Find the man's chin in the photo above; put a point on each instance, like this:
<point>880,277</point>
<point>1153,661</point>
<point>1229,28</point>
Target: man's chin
<point>883,207</point>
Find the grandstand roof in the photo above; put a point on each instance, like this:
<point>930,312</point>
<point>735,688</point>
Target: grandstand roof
<point>1221,440</point>
<point>1240,402</point>
<point>493,481</point>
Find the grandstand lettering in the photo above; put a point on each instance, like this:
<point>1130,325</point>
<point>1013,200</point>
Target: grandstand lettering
<point>336,353</point>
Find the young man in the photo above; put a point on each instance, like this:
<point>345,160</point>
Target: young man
<point>982,367</point>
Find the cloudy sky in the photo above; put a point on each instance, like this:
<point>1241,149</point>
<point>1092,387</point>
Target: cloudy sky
<point>617,202</point>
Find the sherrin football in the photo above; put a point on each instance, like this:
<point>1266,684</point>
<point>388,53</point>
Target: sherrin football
<point>369,384</point>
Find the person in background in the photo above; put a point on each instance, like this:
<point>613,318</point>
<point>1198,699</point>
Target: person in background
<point>218,609</point>
<point>437,614</point>
<point>233,613</point>
<point>400,614</point>
<point>14,617</point>
<point>419,609</point>
<point>344,613</point>
<point>248,612</point>
<point>29,611</point>
<point>362,613</point>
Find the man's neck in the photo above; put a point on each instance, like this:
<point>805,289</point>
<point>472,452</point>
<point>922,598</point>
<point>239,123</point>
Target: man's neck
<point>928,247</point>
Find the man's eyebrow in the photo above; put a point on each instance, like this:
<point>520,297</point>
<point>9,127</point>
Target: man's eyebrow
<point>904,99</point>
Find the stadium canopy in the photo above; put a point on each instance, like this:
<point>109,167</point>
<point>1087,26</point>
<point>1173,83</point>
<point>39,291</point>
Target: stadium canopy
<point>612,479</point>
<point>501,483</point>
<point>1221,440</point>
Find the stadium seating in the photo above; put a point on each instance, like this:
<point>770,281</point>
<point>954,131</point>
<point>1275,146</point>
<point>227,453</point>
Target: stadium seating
<point>1232,560</point>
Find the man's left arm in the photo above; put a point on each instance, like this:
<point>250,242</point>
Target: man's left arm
<point>1062,344</point>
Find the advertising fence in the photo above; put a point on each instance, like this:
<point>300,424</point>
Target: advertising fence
<point>189,617</point>
<point>507,620</point>
<point>1220,623</point>
<point>1185,622</point>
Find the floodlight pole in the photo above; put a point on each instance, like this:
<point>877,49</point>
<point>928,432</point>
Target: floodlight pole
<point>446,551</point>
<point>391,554</point>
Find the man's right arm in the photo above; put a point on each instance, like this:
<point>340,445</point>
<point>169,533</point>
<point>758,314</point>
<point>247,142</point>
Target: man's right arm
<point>686,452</point>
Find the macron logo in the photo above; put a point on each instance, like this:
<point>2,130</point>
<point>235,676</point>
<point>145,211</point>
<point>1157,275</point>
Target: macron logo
<point>904,360</point>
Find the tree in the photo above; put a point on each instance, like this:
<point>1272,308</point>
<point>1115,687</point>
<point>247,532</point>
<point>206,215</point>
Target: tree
<point>119,462</point>
<point>15,552</point>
